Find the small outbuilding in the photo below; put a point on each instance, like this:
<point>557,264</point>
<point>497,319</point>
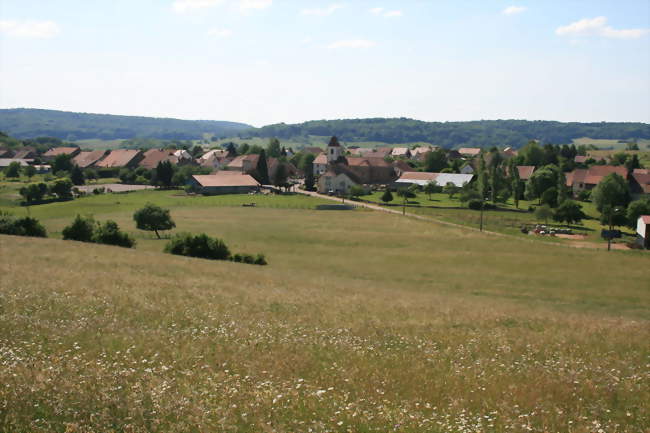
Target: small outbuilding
<point>643,231</point>
<point>225,182</point>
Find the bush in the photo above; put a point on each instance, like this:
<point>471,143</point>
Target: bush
<point>81,229</point>
<point>109,233</point>
<point>25,226</point>
<point>475,204</point>
<point>201,246</point>
<point>260,260</point>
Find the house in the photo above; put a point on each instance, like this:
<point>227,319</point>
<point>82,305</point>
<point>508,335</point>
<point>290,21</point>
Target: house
<point>338,179</point>
<point>580,159</point>
<point>453,154</point>
<point>320,164</point>
<point>583,178</point>
<point>5,152</point>
<point>274,163</point>
<point>183,156</point>
<point>88,159</point>
<point>119,158</point>
<point>401,152</point>
<point>216,159</point>
<point>244,163</point>
<point>224,182</point>
<point>469,152</point>
<point>56,151</point>
<point>153,157</point>
<point>525,171</point>
<point>26,152</point>
<point>509,152</point>
<point>401,166</point>
<point>643,231</point>
<point>640,182</point>
<point>6,162</point>
<point>372,171</point>
<point>442,179</point>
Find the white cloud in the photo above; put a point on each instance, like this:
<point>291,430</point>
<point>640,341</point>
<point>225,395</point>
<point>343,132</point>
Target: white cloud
<point>246,5</point>
<point>219,33</point>
<point>598,27</point>
<point>329,10</point>
<point>513,10</point>
<point>352,43</point>
<point>30,29</point>
<point>384,13</point>
<point>182,6</point>
<point>393,14</point>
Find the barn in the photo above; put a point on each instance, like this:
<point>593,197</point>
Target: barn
<point>224,182</point>
<point>643,231</point>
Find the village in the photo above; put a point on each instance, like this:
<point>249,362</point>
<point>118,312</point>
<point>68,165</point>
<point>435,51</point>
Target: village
<point>555,179</point>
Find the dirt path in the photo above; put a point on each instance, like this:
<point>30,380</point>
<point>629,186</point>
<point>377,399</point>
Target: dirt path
<point>571,242</point>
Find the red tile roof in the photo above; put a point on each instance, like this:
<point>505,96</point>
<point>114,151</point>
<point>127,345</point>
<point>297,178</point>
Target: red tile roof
<point>56,151</point>
<point>525,171</point>
<point>119,158</point>
<point>86,159</point>
<point>594,175</point>
<point>225,178</point>
<point>645,219</point>
<point>154,156</point>
<point>473,151</point>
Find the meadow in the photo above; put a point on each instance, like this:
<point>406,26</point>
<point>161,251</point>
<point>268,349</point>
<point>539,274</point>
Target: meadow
<point>362,322</point>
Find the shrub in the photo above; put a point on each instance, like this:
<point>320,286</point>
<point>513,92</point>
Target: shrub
<point>260,260</point>
<point>25,226</point>
<point>475,204</point>
<point>81,229</point>
<point>109,233</point>
<point>201,246</point>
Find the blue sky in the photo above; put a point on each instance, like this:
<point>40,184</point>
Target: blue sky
<point>268,61</point>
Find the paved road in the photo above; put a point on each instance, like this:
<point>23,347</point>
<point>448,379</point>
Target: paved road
<point>574,244</point>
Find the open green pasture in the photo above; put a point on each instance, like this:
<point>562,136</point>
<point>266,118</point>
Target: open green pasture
<point>506,218</point>
<point>362,322</point>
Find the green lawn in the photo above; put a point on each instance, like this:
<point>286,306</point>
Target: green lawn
<point>506,219</point>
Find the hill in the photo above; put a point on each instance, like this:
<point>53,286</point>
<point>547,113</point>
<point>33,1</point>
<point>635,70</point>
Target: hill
<point>30,123</point>
<point>483,133</point>
<point>362,321</point>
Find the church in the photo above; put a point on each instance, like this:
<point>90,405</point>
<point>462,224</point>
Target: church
<point>337,173</point>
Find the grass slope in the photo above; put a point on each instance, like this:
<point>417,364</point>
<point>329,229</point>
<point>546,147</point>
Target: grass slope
<point>362,322</point>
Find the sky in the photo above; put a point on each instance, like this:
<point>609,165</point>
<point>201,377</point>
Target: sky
<point>272,61</point>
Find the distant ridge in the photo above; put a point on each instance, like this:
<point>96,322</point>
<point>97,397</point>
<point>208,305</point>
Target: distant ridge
<point>31,122</point>
<point>481,133</point>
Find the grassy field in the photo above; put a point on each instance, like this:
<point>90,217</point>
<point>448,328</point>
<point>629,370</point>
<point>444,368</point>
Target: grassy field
<point>506,219</point>
<point>362,322</point>
<point>96,143</point>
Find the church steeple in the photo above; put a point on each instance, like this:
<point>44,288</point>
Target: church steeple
<point>334,150</point>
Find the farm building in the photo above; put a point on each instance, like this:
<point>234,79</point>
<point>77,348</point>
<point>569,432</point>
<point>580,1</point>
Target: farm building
<point>401,152</point>
<point>5,162</point>
<point>153,157</point>
<point>121,158</point>
<point>640,182</point>
<point>225,182</point>
<point>643,231</point>
<point>469,152</point>
<point>581,179</point>
<point>442,179</point>
<point>244,163</point>
<point>26,152</point>
<point>56,151</point>
<point>88,159</point>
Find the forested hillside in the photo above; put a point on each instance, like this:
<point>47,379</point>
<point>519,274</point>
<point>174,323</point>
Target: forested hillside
<point>29,123</point>
<point>484,133</point>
